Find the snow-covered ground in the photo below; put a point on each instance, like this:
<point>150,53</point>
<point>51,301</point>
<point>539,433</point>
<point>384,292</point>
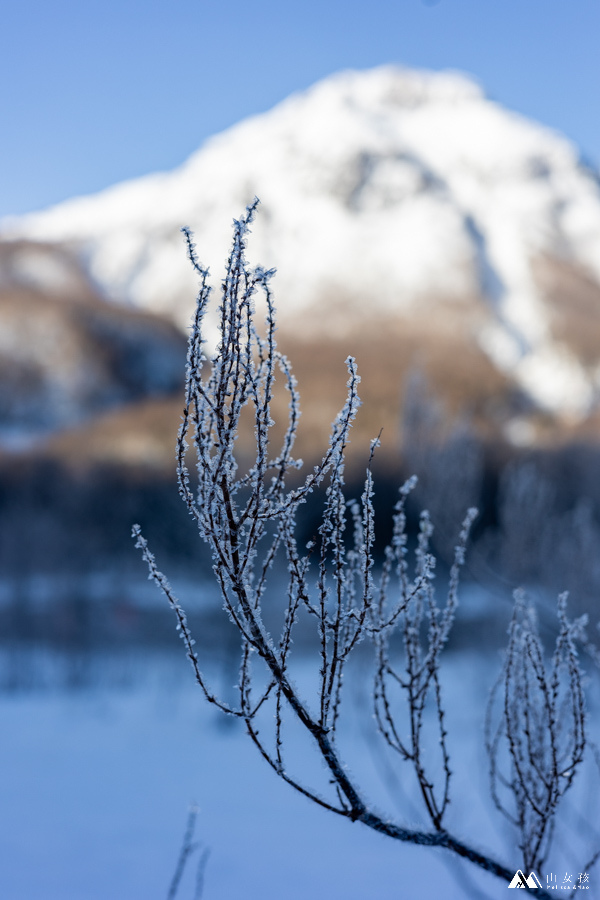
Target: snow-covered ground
<point>96,781</point>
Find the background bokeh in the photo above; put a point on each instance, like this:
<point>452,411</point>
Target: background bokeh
<point>104,740</point>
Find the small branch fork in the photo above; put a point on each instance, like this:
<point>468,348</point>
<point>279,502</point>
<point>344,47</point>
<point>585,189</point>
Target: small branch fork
<point>248,518</point>
<point>188,847</point>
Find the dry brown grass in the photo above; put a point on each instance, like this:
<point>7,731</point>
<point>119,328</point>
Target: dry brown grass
<point>139,437</point>
<point>389,354</point>
<point>573,297</point>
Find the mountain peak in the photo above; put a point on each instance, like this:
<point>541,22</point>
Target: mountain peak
<point>395,86</point>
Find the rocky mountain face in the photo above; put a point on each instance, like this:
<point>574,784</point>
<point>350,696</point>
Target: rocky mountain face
<point>66,352</point>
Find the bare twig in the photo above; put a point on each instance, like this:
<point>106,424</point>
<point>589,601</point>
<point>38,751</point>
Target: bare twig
<point>188,846</point>
<point>248,517</point>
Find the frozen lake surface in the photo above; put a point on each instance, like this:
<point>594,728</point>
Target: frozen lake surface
<point>97,775</point>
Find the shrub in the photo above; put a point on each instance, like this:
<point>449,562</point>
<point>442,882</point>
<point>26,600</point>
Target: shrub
<point>248,519</point>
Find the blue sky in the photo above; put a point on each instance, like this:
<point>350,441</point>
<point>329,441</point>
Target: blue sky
<point>99,91</point>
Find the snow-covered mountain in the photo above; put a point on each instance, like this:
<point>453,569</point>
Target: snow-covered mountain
<point>385,193</point>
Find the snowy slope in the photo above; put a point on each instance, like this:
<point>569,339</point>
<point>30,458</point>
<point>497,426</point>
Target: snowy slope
<point>392,191</point>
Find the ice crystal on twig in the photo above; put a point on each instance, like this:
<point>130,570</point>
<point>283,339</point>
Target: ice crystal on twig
<point>248,518</point>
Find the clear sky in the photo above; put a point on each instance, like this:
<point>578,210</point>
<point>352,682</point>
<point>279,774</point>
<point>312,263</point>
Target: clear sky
<point>97,91</point>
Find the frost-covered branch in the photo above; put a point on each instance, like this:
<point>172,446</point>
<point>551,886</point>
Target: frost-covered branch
<point>248,519</point>
<point>537,742</point>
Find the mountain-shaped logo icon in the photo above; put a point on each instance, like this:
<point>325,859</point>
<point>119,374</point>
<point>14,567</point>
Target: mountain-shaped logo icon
<point>519,881</point>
